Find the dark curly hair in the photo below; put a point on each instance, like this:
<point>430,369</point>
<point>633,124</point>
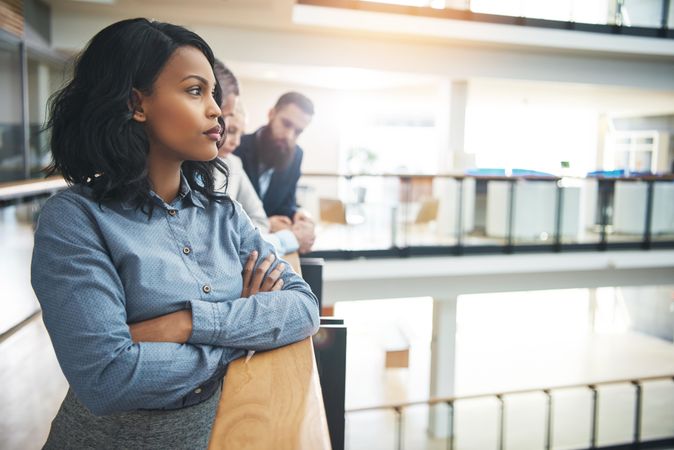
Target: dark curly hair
<point>94,140</point>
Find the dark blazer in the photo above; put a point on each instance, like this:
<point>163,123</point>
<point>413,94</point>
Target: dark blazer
<point>280,197</point>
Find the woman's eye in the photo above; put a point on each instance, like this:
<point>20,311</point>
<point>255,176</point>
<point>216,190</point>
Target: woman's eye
<point>194,91</point>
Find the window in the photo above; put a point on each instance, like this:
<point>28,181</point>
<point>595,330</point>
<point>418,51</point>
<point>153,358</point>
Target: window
<point>11,112</point>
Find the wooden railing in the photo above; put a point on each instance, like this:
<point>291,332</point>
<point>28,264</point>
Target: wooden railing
<point>272,401</point>
<point>28,188</point>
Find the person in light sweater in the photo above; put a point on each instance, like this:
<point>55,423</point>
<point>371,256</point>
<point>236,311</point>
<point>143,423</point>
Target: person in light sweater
<point>298,237</point>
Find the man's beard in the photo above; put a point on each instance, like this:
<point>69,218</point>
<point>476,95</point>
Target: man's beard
<point>271,153</point>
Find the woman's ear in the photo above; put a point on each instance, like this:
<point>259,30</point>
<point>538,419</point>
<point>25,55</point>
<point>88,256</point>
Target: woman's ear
<point>136,106</point>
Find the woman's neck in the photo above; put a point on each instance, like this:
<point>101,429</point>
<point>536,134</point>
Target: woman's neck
<point>165,177</point>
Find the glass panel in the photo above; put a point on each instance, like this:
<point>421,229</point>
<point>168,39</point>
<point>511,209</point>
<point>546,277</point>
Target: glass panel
<point>38,93</point>
<point>662,216</point>
<point>628,211</point>
<point>380,212</point>
<point>589,217</point>
<point>353,213</point>
<point>11,123</point>
<point>44,78</point>
<point>642,13</point>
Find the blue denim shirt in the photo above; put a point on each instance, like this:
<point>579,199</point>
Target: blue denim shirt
<point>96,269</point>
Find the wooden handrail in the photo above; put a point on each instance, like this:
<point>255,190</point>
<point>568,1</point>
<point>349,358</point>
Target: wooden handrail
<point>294,260</point>
<point>27,188</point>
<point>273,401</point>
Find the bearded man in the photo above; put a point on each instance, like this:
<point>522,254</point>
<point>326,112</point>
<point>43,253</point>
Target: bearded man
<point>271,158</point>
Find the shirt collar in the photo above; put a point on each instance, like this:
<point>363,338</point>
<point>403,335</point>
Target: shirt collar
<point>184,193</point>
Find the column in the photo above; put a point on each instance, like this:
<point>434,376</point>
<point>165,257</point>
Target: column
<point>443,358</point>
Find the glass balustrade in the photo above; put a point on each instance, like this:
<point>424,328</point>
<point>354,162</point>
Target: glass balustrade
<point>456,214</point>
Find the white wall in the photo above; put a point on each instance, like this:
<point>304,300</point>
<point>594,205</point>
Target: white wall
<point>71,30</point>
<point>321,138</point>
<point>595,82</point>
<point>536,125</point>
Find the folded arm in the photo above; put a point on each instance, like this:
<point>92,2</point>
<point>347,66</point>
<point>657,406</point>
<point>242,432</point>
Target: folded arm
<point>264,320</point>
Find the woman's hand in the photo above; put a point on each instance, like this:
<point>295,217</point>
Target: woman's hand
<point>173,327</point>
<point>254,279</point>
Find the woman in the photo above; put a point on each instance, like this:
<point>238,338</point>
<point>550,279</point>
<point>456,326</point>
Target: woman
<point>143,237</point>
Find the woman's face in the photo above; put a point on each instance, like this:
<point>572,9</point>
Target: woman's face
<point>180,114</point>
<point>235,125</point>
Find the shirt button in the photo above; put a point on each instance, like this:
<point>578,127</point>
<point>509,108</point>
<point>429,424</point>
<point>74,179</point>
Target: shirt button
<point>172,212</point>
<point>197,391</point>
<point>186,250</point>
<point>206,288</point>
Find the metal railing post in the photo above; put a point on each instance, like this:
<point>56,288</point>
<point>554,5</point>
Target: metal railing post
<point>459,218</point>
<point>648,224</point>
<point>595,416</point>
<point>637,410</point>
<point>450,437</point>
<point>558,216</point>
<point>501,431</point>
<point>511,216</point>
<point>548,420</point>
<point>399,427</point>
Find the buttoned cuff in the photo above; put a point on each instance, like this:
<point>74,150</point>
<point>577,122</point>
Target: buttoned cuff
<point>288,241</point>
<point>205,322</point>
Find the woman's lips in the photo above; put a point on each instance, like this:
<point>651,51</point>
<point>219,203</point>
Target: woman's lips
<point>214,134</point>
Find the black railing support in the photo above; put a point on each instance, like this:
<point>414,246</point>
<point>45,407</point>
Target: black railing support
<point>451,435</point>
<point>511,217</point>
<point>312,272</point>
<point>501,427</point>
<point>646,244</point>
<point>330,352</point>
<point>595,416</point>
<point>459,218</point>
<point>399,427</point>
<point>558,217</point>
<point>604,187</point>
<point>638,404</point>
<point>548,420</point>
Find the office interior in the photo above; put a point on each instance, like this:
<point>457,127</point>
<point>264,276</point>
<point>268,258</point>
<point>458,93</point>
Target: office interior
<point>493,191</point>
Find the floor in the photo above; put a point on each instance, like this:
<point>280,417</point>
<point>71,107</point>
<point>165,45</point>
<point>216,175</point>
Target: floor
<point>497,353</point>
<point>32,387</point>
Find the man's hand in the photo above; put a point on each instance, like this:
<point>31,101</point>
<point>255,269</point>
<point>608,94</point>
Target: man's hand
<point>254,279</point>
<point>278,223</point>
<point>173,327</point>
<point>302,216</point>
<point>305,234</point>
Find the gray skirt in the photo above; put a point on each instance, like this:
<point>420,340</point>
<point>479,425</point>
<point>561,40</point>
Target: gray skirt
<point>187,428</point>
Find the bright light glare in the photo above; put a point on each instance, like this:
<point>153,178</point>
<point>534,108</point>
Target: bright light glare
<point>401,2</point>
<point>564,10</point>
<point>535,137</point>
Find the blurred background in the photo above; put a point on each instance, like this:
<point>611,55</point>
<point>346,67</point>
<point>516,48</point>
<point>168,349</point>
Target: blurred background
<point>492,185</point>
